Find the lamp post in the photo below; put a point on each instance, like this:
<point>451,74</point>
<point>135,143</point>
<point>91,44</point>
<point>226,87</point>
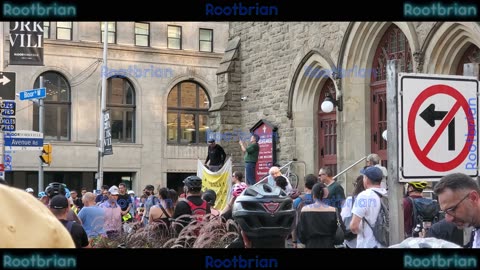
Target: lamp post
<point>329,103</point>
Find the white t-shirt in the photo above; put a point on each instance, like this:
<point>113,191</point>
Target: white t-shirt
<point>367,205</point>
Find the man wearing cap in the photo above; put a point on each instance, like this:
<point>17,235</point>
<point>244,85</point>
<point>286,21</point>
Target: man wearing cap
<point>113,213</point>
<point>29,224</point>
<point>60,208</point>
<point>367,206</point>
<point>216,155</point>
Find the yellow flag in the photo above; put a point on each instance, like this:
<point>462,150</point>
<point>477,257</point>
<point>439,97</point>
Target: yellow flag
<point>219,181</point>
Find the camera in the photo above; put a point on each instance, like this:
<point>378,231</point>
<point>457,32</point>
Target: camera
<point>243,98</point>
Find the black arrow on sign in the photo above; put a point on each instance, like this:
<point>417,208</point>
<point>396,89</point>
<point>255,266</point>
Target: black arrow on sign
<point>430,115</point>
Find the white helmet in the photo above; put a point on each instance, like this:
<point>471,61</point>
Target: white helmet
<point>131,192</point>
<point>29,190</point>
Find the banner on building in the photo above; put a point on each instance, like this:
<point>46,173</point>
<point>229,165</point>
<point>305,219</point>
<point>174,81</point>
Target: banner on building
<point>220,182</point>
<point>107,141</point>
<point>26,43</point>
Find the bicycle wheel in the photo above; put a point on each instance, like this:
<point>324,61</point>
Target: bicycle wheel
<point>293,178</point>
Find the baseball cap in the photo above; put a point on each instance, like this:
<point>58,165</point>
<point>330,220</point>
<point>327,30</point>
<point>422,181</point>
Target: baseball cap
<point>131,192</point>
<point>59,202</point>
<point>373,173</point>
<point>29,190</point>
<point>113,190</point>
<point>211,140</point>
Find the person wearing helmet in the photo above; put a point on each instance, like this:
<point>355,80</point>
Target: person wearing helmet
<point>414,191</point>
<point>30,190</point>
<point>56,188</point>
<point>238,187</point>
<point>265,216</point>
<point>193,204</point>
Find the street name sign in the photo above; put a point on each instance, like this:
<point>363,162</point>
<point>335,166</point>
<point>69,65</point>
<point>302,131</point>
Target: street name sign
<point>33,94</point>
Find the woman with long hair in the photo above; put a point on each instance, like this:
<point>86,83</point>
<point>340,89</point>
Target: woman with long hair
<point>318,221</point>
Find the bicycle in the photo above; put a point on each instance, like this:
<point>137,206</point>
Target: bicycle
<point>290,174</point>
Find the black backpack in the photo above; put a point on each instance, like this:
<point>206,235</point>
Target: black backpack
<point>424,210</point>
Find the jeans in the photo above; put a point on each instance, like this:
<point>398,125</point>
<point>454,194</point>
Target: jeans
<point>250,173</point>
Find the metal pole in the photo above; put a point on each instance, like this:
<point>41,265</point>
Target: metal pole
<point>395,188</point>
<point>103,104</point>
<point>41,125</point>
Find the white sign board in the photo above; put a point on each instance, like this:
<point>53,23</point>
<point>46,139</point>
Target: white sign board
<point>438,118</point>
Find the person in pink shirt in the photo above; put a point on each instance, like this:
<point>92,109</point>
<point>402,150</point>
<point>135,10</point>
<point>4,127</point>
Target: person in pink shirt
<point>113,213</point>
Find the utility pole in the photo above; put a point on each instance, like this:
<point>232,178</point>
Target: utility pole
<point>103,103</point>
<point>41,126</point>
<point>395,188</point>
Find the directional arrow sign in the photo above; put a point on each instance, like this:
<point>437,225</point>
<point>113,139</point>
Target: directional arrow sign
<point>438,126</point>
<point>7,85</point>
<point>430,115</point>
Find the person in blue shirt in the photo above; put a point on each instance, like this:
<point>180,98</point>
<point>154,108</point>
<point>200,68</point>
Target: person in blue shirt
<point>92,217</point>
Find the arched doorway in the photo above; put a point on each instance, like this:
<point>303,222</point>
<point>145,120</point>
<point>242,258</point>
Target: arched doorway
<point>327,131</point>
<point>393,46</point>
<point>471,55</point>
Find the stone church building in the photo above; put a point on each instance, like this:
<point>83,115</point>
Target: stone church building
<point>283,71</point>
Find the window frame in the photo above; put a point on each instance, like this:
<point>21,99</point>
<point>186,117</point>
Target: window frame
<point>124,108</point>
<point>179,110</point>
<point>108,32</point>
<point>200,40</point>
<point>181,37</point>
<point>71,31</point>
<point>56,105</point>
<point>147,35</point>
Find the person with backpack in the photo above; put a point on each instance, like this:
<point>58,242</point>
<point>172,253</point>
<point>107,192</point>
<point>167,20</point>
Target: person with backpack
<point>370,211</point>
<point>346,214</point>
<point>417,211</point>
<point>60,208</point>
<point>301,201</point>
<point>192,205</point>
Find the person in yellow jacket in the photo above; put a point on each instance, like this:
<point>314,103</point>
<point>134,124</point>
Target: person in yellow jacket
<point>28,223</point>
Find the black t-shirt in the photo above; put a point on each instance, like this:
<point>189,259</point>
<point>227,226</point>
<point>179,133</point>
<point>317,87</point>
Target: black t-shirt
<point>123,201</point>
<point>78,234</point>
<point>216,155</point>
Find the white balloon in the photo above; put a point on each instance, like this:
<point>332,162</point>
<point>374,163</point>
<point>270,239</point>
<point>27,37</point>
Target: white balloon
<point>327,106</point>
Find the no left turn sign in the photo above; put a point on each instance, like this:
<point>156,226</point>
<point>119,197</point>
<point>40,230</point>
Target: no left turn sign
<point>437,126</point>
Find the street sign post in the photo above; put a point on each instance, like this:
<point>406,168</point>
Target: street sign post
<point>7,85</point>
<point>438,126</point>
<point>33,94</point>
<point>24,140</point>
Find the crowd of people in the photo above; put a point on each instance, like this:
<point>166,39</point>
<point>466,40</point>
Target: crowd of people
<point>268,214</point>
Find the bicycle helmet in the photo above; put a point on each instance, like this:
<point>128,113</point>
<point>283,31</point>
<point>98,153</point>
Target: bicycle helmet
<point>420,185</point>
<point>41,194</point>
<point>55,188</point>
<point>263,211</point>
<point>193,183</point>
<point>29,190</point>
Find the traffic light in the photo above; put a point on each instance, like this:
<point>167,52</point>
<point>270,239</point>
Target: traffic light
<point>46,156</point>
